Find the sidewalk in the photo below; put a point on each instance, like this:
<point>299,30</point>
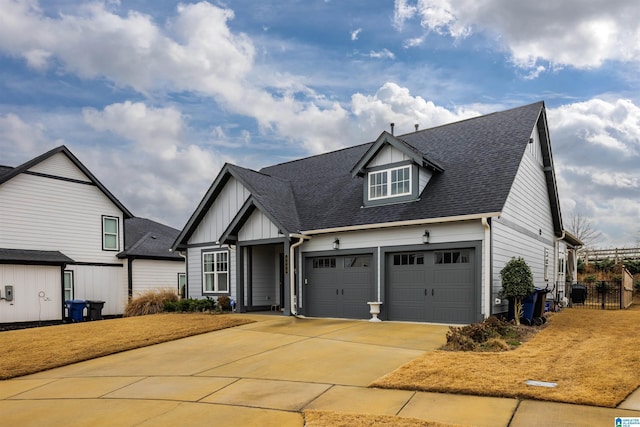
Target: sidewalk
<point>266,373</point>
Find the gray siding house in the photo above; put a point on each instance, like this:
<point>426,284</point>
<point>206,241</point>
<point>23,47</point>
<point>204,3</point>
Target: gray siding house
<point>422,223</point>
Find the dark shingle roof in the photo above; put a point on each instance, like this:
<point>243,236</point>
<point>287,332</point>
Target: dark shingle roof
<point>480,158</point>
<point>144,238</point>
<point>33,257</point>
<point>475,163</point>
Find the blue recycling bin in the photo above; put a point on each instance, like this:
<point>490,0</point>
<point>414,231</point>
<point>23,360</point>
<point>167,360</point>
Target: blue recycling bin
<point>76,309</point>
<point>528,306</point>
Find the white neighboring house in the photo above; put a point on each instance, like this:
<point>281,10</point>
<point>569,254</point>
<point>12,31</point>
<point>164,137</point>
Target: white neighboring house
<point>61,234</point>
<point>151,263</point>
<point>422,223</point>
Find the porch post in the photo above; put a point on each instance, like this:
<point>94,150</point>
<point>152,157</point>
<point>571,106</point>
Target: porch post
<point>240,279</point>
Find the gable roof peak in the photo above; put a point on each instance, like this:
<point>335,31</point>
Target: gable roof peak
<point>400,144</point>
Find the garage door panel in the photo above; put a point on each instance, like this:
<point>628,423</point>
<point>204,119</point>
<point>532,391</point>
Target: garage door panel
<point>448,277</point>
<point>338,286</point>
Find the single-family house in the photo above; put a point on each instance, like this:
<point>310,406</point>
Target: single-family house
<point>422,223</point>
<point>64,236</point>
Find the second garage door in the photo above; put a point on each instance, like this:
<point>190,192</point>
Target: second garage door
<point>338,286</point>
<point>434,286</point>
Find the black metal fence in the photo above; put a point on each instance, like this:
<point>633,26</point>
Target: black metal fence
<point>596,295</point>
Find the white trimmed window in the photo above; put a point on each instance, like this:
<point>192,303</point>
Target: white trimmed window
<point>215,272</point>
<point>110,238</point>
<point>390,183</point>
<point>68,285</point>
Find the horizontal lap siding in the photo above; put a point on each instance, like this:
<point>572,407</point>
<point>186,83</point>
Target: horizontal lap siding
<point>37,293</point>
<point>150,275</point>
<point>49,214</point>
<point>194,270</point>
<point>525,227</point>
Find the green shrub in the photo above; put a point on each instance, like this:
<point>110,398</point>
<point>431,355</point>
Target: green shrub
<point>517,283</point>
<point>149,302</point>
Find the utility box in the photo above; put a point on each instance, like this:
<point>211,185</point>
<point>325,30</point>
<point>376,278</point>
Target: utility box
<point>8,292</point>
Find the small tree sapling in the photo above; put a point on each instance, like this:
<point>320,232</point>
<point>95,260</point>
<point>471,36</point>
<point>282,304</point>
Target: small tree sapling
<point>517,283</point>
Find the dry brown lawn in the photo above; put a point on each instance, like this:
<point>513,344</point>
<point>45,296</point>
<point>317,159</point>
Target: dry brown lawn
<point>592,355</point>
<point>27,351</point>
<point>314,418</point>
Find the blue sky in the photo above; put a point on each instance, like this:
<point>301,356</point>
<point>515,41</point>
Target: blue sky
<point>155,96</point>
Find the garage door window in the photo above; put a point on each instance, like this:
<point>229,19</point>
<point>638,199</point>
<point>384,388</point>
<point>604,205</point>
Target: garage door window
<point>451,257</point>
<point>324,263</point>
<point>408,259</point>
<point>357,261</point>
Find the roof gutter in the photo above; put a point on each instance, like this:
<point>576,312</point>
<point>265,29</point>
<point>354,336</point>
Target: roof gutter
<point>423,221</point>
<point>292,277</point>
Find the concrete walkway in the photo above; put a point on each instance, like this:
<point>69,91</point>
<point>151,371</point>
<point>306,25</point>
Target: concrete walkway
<point>265,374</point>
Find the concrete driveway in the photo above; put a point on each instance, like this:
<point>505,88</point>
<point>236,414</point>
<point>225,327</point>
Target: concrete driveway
<point>261,374</point>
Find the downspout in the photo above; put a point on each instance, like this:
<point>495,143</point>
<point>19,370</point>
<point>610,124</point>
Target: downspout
<point>292,276</point>
<point>556,252</point>
<point>487,265</point>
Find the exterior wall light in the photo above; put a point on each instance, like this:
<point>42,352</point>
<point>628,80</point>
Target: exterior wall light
<point>425,236</point>
<point>336,244</point>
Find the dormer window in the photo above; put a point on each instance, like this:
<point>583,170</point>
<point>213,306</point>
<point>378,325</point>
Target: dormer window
<point>390,183</point>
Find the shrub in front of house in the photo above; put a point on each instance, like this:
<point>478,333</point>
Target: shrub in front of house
<point>189,305</point>
<point>150,302</point>
<point>493,334</point>
<point>224,302</point>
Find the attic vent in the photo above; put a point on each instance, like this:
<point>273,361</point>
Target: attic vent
<point>416,126</point>
<point>153,237</point>
<point>392,125</point>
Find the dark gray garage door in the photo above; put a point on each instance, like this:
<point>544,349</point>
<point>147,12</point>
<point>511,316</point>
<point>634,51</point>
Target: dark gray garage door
<point>338,286</point>
<point>436,286</point>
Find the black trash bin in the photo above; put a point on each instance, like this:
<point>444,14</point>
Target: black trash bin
<point>578,293</point>
<point>76,308</point>
<point>539,308</point>
<point>94,310</point>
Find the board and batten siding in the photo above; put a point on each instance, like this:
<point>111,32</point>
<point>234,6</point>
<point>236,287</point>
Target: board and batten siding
<point>151,275</point>
<point>42,213</point>
<point>525,228</point>
<point>194,270</point>
<point>101,283</point>
<point>387,155</point>
<point>37,293</point>
<point>221,213</point>
<point>258,226</point>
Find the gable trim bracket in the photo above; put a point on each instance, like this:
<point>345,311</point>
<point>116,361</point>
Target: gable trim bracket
<point>399,144</point>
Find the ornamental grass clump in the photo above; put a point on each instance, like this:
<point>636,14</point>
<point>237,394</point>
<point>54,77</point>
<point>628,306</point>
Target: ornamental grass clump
<point>150,302</point>
<point>517,283</point>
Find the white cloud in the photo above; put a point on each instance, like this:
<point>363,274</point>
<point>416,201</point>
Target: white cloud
<point>573,32</point>
<point>596,145</point>
<point>355,34</point>
<point>382,54</point>
<point>17,138</point>
<point>393,103</point>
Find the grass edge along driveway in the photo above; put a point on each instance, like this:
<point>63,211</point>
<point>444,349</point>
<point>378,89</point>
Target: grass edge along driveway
<point>27,351</point>
<point>592,355</point>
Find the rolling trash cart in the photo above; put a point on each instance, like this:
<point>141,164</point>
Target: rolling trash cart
<point>75,308</point>
<point>94,310</point>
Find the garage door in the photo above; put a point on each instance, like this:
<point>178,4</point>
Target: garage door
<point>338,286</point>
<point>435,286</point>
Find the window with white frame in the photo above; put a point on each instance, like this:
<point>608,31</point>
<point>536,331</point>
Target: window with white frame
<point>110,238</point>
<point>215,272</point>
<point>390,183</point>
<point>68,285</point>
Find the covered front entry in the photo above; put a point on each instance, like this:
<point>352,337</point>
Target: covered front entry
<point>338,286</point>
<point>432,286</point>
<point>263,277</point>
